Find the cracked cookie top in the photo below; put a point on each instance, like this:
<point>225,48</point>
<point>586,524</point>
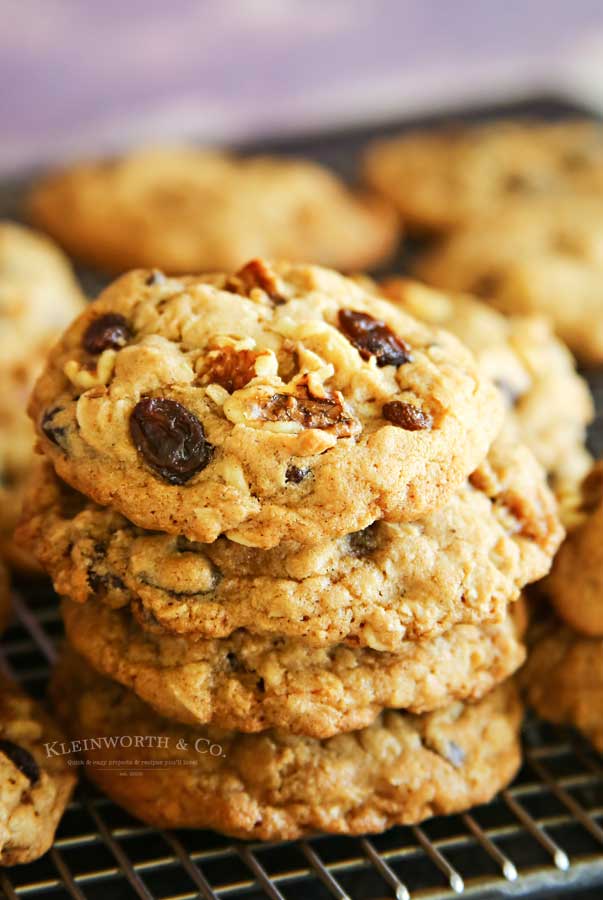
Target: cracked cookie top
<point>280,403</point>
<point>188,210</point>
<point>379,587</point>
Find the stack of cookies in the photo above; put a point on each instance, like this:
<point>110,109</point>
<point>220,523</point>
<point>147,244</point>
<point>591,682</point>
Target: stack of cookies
<point>289,526</point>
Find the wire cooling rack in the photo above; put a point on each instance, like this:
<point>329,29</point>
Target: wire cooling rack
<point>541,838</point>
<point>543,834</point>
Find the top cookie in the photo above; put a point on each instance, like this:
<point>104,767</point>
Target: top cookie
<point>440,179</point>
<point>549,403</point>
<point>282,403</point>
<point>38,297</point>
<point>576,581</point>
<point>188,210</point>
<point>532,260</point>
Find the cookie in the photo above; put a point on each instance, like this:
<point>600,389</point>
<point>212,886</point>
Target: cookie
<point>563,680</point>
<point>38,298</point>
<point>549,403</point>
<point>377,588</point>
<point>442,179</point>
<point>251,683</point>
<point>34,787</point>
<point>5,599</point>
<point>527,261</point>
<point>276,786</point>
<point>575,586</point>
<point>249,404</point>
<point>188,210</point>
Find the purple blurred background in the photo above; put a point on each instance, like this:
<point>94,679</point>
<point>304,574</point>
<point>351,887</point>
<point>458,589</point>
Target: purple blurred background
<point>77,76</point>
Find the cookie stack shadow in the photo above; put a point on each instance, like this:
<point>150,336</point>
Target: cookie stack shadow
<point>316,629</point>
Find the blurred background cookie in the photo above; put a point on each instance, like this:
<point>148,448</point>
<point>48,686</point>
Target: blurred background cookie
<point>575,585</point>
<point>547,261</point>
<point>189,210</point>
<point>38,297</point>
<point>445,178</point>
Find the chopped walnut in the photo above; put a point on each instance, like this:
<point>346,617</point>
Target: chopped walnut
<point>233,364</point>
<point>406,416</point>
<point>329,413</point>
<point>256,274</point>
<point>230,368</point>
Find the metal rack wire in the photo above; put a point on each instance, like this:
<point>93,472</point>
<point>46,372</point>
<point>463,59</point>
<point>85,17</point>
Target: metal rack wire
<point>543,837</point>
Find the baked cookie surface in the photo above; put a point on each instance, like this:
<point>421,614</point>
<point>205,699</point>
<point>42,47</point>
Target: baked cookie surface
<point>528,261</point>
<point>377,588</point>
<point>563,680</point>
<point>38,298</point>
<point>575,585</point>
<point>276,786</point>
<point>250,683</point>
<point>250,404</point>
<point>549,403</point>
<point>34,787</point>
<point>442,179</point>
<point>5,599</point>
<point>190,211</point>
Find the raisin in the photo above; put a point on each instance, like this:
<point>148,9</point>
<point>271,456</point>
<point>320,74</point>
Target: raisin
<point>361,543</point>
<point>406,416</point>
<point>371,337</point>
<point>101,584</point>
<point>55,433</point>
<point>487,285</point>
<point>233,661</point>
<point>21,759</point>
<point>295,474</point>
<point>111,330</point>
<point>170,438</point>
